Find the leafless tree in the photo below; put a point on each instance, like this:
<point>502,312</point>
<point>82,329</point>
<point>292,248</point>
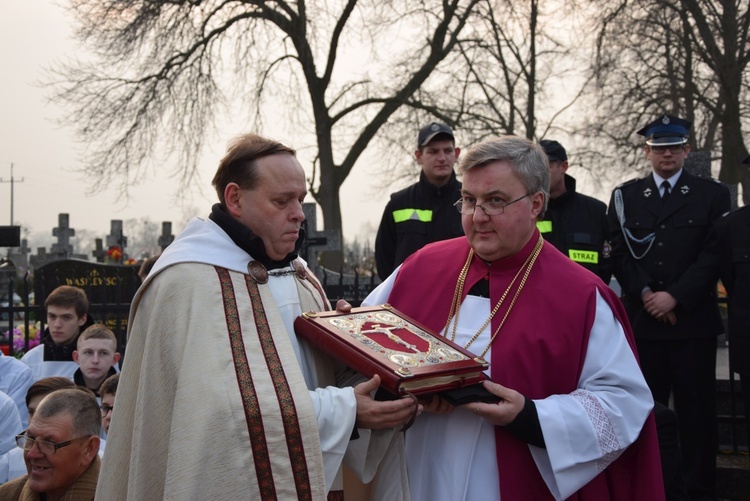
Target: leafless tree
<point>165,71</point>
<point>519,64</point>
<point>516,70</point>
<point>683,57</point>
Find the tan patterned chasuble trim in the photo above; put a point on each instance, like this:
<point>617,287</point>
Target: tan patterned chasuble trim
<point>256,430</point>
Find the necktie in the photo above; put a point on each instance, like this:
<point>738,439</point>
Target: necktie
<point>667,190</point>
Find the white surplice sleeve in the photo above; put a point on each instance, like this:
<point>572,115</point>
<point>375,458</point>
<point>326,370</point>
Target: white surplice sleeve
<point>586,430</point>
<point>336,411</point>
<point>380,294</point>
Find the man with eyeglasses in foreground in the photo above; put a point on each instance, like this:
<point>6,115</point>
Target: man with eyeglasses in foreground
<point>575,415</point>
<point>60,450</point>
<point>665,260</point>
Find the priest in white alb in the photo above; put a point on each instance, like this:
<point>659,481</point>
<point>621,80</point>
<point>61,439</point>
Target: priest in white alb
<point>218,399</point>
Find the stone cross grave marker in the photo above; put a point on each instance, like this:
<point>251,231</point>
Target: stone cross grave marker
<point>316,241</point>
<point>116,237</point>
<point>20,255</point>
<point>99,252</point>
<point>62,248</point>
<point>166,236</point>
<point>40,258</point>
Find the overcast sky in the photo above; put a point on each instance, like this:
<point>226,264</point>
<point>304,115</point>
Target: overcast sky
<point>36,33</point>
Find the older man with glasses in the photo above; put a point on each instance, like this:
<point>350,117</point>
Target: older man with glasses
<point>664,255</point>
<point>60,449</point>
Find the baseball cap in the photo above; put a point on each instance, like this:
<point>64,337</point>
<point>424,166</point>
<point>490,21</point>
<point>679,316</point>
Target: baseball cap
<point>428,133</point>
<point>554,150</point>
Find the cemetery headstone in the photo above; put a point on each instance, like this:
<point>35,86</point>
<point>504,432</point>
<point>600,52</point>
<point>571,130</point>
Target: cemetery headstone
<point>62,248</point>
<point>166,236</point>
<point>99,253</point>
<point>40,259</point>
<point>316,242</point>
<point>698,163</point>
<point>115,239</point>
<point>20,255</point>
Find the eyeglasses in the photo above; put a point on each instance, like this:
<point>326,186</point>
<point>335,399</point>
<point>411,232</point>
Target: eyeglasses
<point>673,148</point>
<point>106,409</point>
<point>46,447</point>
<point>490,208</point>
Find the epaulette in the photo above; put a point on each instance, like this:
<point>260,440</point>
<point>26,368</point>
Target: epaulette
<point>627,183</point>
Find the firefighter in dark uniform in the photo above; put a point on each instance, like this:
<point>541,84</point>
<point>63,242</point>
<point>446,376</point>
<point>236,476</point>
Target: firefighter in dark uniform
<point>574,223</point>
<point>733,234</point>
<point>664,256</point>
<point>423,212</point>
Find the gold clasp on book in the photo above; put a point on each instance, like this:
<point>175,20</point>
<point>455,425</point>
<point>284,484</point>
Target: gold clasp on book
<point>482,361</point>
<point>403,371</point>
<point>310,314</point>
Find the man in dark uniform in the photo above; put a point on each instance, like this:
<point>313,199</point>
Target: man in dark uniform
<point>664,254</point>
<point>423,212</point>
<point>575,223</point>
<point>733,233</point>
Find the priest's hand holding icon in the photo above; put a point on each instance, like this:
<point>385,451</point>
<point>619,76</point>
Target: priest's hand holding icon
<point>377,415</point>
<point>342,306</point>
<point>501,413</point>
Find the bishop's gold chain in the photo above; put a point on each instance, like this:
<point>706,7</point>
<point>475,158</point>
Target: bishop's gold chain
<point>456,303</point>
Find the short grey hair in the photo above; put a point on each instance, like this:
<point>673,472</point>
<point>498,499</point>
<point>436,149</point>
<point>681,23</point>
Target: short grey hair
<point>80,404</point>
<point>528,160</point>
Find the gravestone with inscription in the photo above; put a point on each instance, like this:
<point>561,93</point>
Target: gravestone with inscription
<point>109,287</point>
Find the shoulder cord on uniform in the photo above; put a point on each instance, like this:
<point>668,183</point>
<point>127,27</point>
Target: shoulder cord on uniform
<point>648,239</point>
